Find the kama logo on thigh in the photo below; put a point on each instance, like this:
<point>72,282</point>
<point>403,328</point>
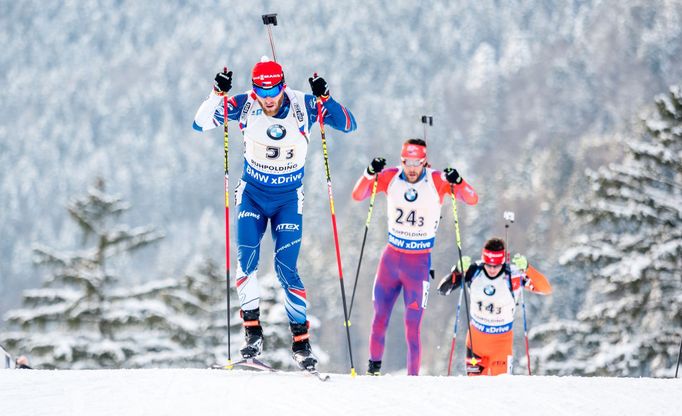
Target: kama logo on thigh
<point>246,214</point>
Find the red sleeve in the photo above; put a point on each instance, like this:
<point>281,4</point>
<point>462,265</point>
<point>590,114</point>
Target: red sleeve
<point>363,188</point>
<point>538,281</point>
<point>463,190</point>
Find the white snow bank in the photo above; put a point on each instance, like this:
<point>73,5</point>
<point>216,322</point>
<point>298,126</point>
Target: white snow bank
<point>238,392</point>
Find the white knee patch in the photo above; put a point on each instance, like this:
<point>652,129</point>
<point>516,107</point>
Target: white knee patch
<point>425,293</point>
<point>238,192</point>
<point>247,289</point>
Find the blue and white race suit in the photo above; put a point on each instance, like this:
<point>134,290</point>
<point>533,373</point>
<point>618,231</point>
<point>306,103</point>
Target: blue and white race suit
<point>271,186</point>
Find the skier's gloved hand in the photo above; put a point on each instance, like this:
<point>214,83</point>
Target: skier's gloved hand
<point>377,165</point>
<point>223,83</point>
<point>466,262</point>
<point>319,86</point>
<point>447,284</point>
<point>520,262</point>
<point>452,176</point>
<point>451,280</point>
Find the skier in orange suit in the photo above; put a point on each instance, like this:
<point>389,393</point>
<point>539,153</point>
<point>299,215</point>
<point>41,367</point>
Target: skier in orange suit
<point>494,286</point>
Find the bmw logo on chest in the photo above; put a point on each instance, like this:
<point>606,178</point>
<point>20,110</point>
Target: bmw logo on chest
<point>489,290</point>
<point>276,132</point>
<point>411,195</point>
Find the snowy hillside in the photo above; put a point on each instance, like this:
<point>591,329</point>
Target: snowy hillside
<point>525,95</point>
<point>221,393</point>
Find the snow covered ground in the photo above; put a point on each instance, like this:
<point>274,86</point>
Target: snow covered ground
<point>239,392</point>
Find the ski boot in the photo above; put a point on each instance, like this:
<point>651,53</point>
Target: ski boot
<point>253,334</point>
<point>374,368</point>
<point>475,364</point>
<point>302,351</point>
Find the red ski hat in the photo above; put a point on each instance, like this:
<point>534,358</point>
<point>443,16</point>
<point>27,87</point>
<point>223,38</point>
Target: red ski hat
<point>267,74</point>
<point>493,257</point>
<point>413,151</point>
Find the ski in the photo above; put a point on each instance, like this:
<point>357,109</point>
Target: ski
<point>316,373</point>
<point>255,364</point>
<point>251,363</point>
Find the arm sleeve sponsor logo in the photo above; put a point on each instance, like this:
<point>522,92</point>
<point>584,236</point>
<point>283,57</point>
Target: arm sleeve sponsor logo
<point>298,113</point>
<point>245,112</point>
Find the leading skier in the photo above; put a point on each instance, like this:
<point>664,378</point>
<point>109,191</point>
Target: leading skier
<point>275,121</point>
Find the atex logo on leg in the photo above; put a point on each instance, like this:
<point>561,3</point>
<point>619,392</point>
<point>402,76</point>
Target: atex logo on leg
<point>287,227</point>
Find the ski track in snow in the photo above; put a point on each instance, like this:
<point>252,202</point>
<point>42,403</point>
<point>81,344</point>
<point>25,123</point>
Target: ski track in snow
<point>217,392</point>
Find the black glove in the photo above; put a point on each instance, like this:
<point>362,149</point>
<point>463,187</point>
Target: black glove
<point>377,165</point>
<point>223,82</point>
<point>452,176</point>
<point>447,284</point>
<point>319,86</point>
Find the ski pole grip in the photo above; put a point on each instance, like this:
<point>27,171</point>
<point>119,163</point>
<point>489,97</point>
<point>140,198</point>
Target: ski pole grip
<point>270,19</point>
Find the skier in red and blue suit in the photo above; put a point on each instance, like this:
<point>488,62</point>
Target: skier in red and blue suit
<point>414,194</point>
<point>275,121</point>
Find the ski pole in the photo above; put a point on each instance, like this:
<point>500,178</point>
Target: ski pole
<point>320,120</point>
<point>679,354</point>
<point>227,224</point>
<point>525,331</point>
<point>270,19</point>
<point>364,239</point>
<point>461,267</point>
<point>509,218</point>
<point>426,120</point>
<point>454,331</point>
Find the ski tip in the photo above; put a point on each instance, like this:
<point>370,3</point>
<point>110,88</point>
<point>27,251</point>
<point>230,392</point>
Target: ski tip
<point>321,377</point>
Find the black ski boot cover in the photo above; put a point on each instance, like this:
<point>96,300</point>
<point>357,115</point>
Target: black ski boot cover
<point>253,334</point>
<point>374,368</point>
<point>302,351</point>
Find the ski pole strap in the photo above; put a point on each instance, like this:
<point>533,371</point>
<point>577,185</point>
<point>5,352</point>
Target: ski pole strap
<point>301,337</point>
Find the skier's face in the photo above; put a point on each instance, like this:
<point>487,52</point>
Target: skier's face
<point>413,169</point>
<point>271,105</point>
<point>492,270</point>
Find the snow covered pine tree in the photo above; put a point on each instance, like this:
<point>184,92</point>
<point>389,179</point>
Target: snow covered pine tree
<point>631,254</point>
<point>71,322</point>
